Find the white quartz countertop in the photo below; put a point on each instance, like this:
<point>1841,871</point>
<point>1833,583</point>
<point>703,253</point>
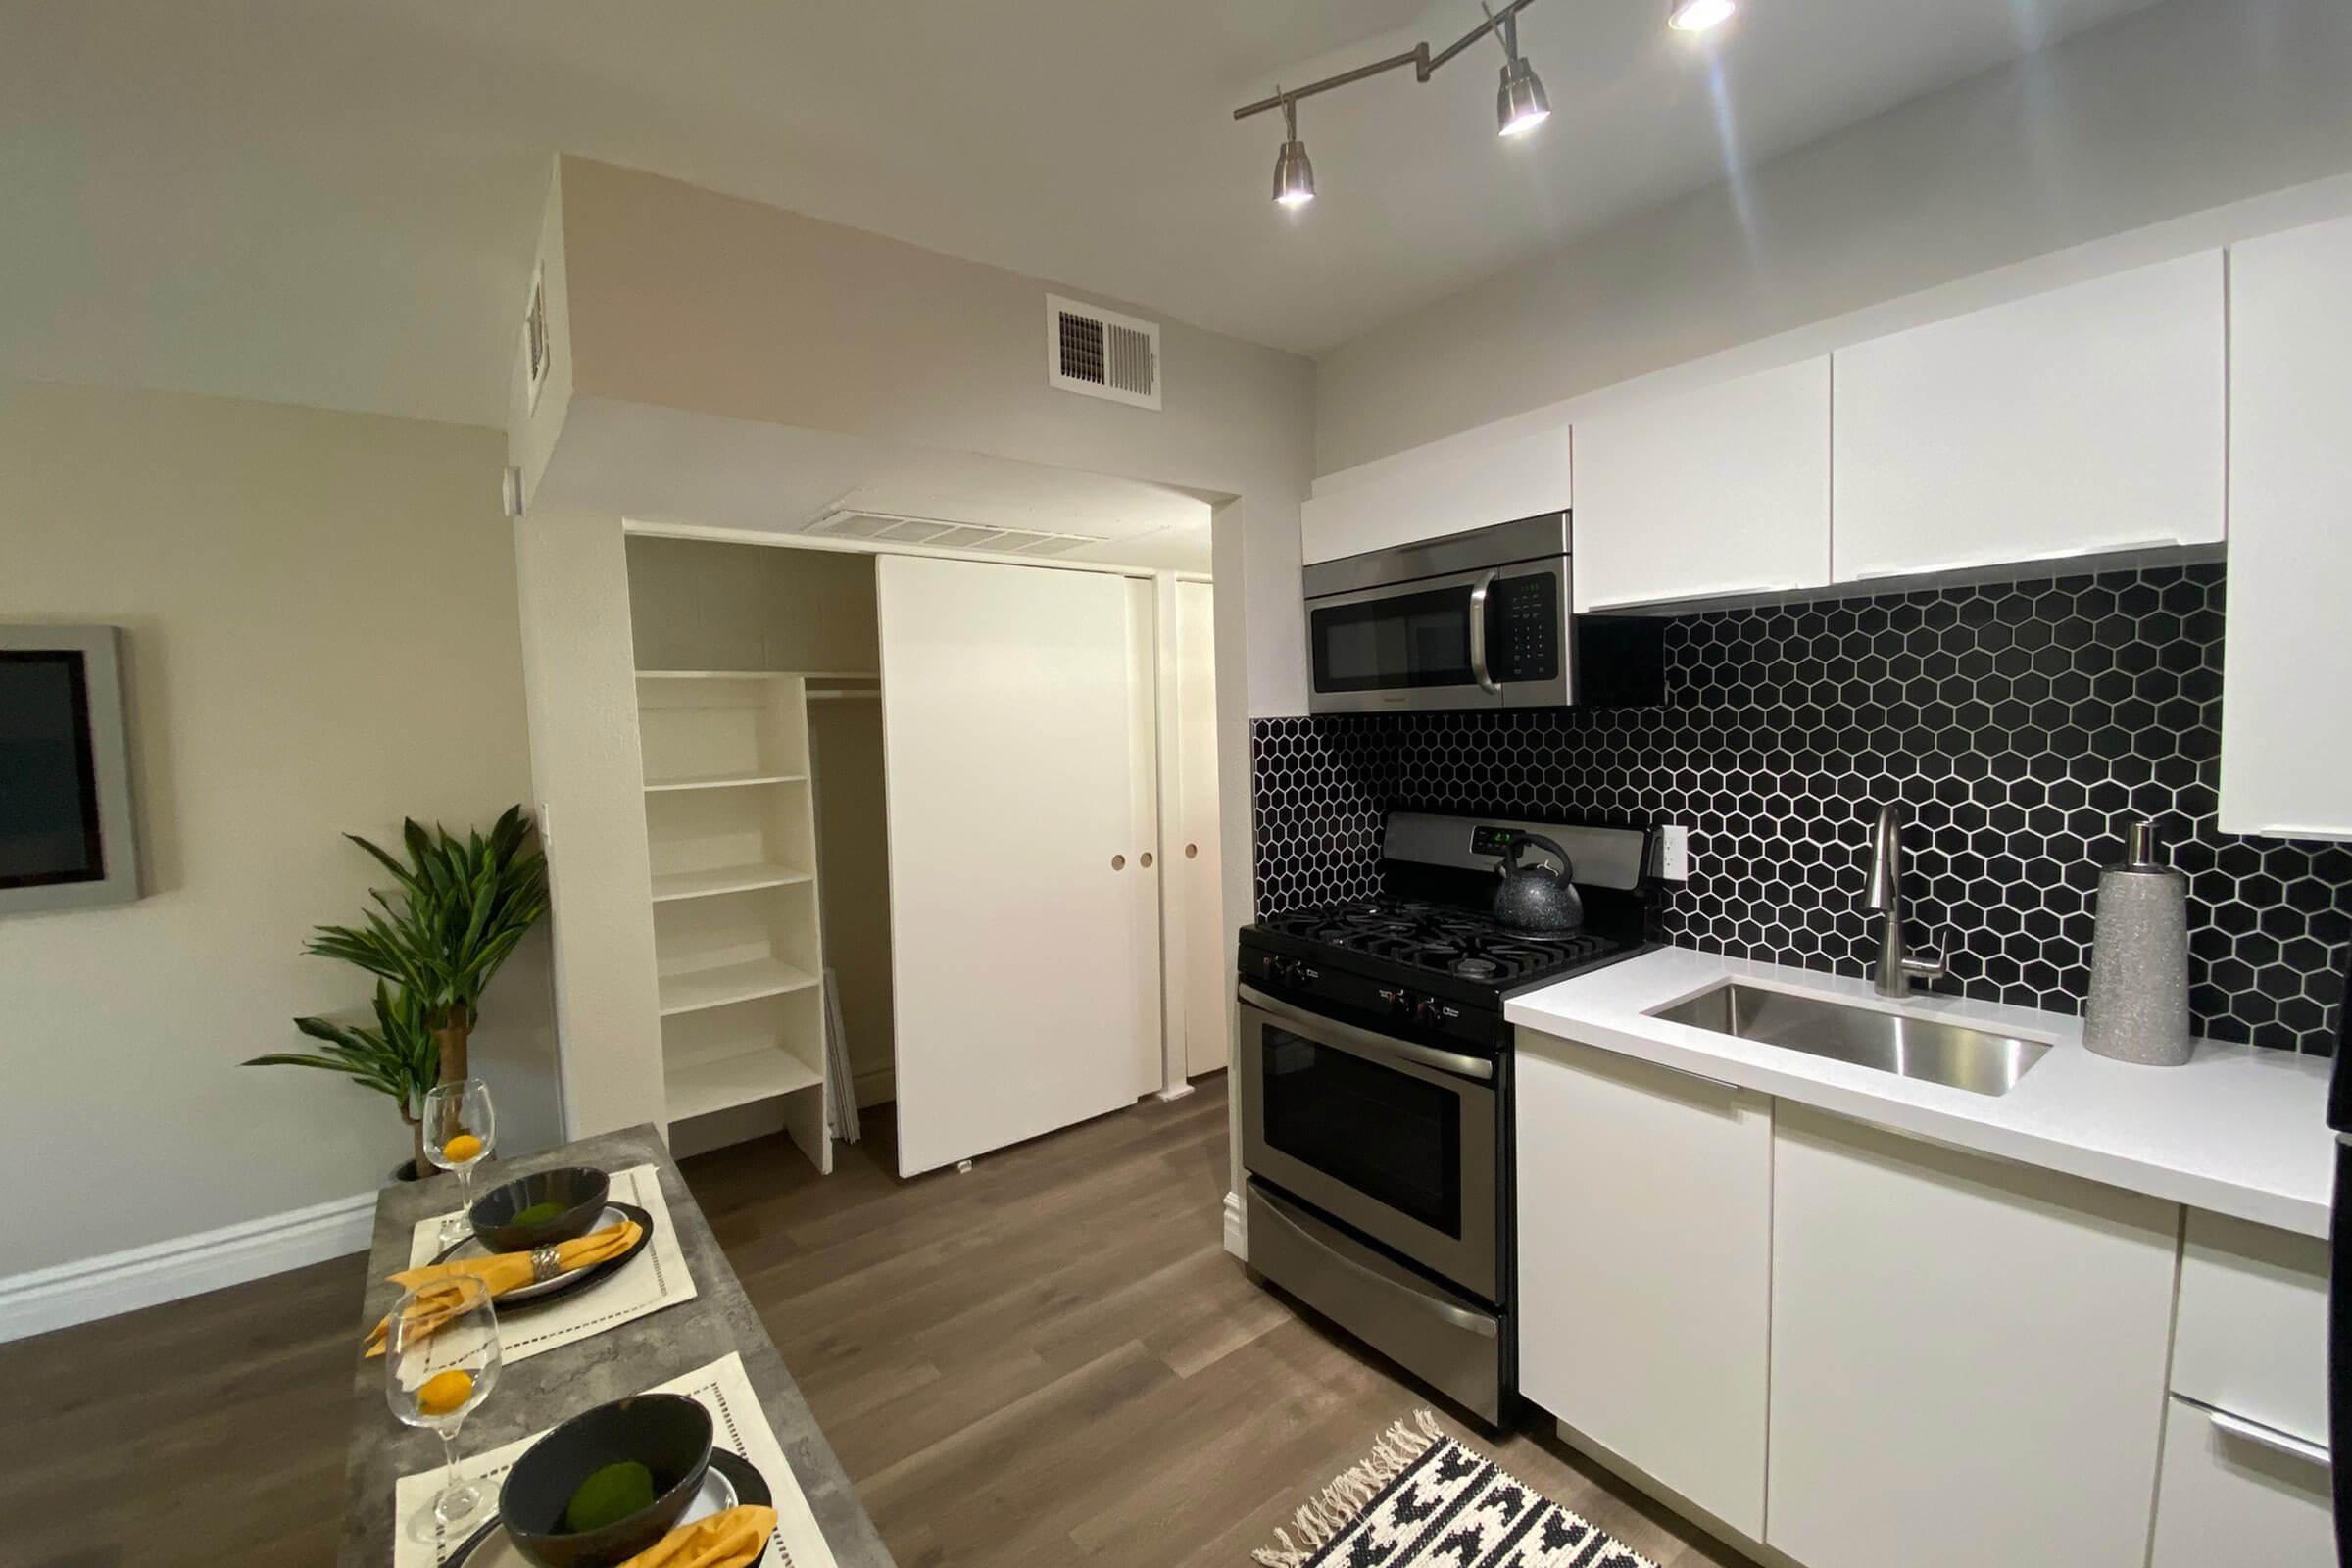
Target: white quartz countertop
<point>2240,1130</point>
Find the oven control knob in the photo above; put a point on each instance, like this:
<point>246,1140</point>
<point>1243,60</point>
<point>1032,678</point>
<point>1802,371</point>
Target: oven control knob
<point>1400,1002</point>
<point>1426,1013</point>
<point>1284,972</point>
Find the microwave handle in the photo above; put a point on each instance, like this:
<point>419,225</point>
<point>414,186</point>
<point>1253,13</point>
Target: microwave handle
<point>1478,633</point>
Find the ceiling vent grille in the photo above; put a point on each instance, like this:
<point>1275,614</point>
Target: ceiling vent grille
<point>939,533</point>
<point>1101,353</point>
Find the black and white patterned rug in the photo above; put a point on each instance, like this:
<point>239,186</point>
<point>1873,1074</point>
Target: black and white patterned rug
<point>1423,1500</point>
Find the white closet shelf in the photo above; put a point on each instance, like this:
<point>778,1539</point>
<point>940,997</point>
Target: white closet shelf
<point>719,987</point>
<point>761,1074</point>
<point>721,781</point>
<point>674,885</point>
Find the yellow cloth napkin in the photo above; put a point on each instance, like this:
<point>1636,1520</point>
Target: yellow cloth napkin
<point>501,1271</point>
<point>726,1540</point>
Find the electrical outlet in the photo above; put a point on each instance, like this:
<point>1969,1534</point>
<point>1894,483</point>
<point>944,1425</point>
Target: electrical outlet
<point>1674,853</point>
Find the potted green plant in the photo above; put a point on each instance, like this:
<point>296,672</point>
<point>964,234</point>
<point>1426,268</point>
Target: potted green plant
<point>433,944</point>
<point>460,909</point>
<point>397,1056</point>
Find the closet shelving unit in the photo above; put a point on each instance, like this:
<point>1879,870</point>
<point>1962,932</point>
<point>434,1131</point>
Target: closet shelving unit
<point>731,834</point>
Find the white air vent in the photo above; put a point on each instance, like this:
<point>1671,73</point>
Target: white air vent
<point>938,533</point>
<point>1101,353</point>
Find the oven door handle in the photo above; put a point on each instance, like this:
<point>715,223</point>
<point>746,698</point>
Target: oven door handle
<point>1459,1317</point>
<point>1365,1042</point>
<point>1478,633</point>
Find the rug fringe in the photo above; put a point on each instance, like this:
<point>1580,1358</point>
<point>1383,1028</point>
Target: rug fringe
<point>1352,1492</point>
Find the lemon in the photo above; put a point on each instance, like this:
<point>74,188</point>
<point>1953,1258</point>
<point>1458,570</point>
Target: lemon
<point>445,1392</point>
<point>461,1148</point>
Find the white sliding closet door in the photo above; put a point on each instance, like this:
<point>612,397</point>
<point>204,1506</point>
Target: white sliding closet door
<point>1007,728</point>
<point>1208,966</point>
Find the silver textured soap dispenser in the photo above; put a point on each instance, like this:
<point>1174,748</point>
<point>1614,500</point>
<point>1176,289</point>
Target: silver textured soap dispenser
<point>2139,1008</point>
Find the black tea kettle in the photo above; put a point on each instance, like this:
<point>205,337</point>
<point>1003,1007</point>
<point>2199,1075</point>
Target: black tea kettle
<point>1536,898</point>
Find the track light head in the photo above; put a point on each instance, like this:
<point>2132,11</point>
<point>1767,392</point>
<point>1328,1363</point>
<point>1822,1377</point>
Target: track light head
<point>1294,171</point>
<point>1519,103</point>
<point>1293,176</point>
<point>1697,15</point>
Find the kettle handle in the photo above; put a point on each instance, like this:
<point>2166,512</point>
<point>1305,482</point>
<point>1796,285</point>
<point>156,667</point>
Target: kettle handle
<point>1511,862</point>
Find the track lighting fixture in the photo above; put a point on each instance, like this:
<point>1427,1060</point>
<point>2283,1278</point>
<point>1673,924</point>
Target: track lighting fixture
<point>1520,105</point>
<point>1697,15</point>
<point>1293,174</point>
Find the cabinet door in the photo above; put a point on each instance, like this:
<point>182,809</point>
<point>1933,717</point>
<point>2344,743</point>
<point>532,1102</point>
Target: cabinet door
<point>2081,421</point>
<point>1644,1266</point>
<point>1968,1355</point>
<point>1428,499</point>
<point>1716,491</point>
<point>2285,755</point>
<point>1008,724</point>
<point>2239,1493</point>
<point>1207,979</point>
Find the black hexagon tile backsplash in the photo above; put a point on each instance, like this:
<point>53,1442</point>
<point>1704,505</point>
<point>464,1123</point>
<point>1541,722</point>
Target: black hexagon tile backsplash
<point>2017,724</point>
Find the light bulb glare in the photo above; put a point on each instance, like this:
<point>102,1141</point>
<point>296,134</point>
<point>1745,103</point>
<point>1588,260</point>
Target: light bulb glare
<point>1697,15</point>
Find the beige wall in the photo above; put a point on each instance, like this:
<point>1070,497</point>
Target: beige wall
<point>2171,111</point>
<point>685,299</point>
<point>688,299</point>
<point>322,637</point>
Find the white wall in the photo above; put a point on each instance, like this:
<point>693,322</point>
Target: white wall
<point>322,638</point>
<point>687,299</point>
<point>588,778</point>
<point>2171,111</point>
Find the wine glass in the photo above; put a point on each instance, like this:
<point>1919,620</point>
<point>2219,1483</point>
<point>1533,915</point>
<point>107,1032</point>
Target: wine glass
<point>460,1126</point>
<point>440,1362</point>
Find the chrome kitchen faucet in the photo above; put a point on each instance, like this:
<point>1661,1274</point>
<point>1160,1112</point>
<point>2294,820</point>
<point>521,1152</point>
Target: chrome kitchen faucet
<point>1884,897</point>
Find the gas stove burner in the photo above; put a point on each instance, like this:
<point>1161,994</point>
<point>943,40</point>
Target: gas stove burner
<point>1441,939</point>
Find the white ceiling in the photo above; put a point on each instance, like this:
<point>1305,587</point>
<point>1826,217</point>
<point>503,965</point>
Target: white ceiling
<point>332,202</point>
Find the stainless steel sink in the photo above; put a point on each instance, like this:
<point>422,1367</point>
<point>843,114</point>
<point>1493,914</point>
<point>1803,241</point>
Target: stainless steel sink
<point>1891,1042</point>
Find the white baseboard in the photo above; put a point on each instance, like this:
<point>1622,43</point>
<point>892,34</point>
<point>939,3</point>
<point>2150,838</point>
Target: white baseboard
<point>1236,1227</point>
<point>93,1287</point>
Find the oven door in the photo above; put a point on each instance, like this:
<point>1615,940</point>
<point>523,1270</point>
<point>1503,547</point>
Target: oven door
<point>1470,639</point>
<point>1391,1137</point>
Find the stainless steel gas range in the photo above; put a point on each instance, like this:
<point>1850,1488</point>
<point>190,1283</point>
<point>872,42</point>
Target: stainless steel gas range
<point>1375,1083</point>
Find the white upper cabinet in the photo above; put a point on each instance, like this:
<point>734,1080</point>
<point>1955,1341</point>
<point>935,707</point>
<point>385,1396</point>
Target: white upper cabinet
<point>1646,1266</point>
<point>2286,741</point>
<point>2083,421</point>
<point>1706,494</point>
<point>1428,500</point>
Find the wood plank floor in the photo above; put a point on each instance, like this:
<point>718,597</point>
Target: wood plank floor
<point>1048,1360</point>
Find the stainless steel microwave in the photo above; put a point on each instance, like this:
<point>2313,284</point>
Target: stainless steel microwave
<point>1476,619</point>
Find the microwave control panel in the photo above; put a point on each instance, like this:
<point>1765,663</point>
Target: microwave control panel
<point>1523,628</point>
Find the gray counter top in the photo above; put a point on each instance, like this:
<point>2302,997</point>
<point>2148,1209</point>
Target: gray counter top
<point>547,1389</point>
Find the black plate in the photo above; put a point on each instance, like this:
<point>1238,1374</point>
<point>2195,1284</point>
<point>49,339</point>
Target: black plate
<point>750,1487</point>
<point>554,1290</point>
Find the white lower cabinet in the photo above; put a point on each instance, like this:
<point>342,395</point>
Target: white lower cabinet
<point>1644,1266</point>
<point>1968,1355</point>
<point>2233,1492</point>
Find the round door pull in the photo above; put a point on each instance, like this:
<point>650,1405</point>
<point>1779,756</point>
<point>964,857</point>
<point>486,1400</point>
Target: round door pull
<point>1192,851</point>
<point>1118,863</point>
<point>1145,860</point>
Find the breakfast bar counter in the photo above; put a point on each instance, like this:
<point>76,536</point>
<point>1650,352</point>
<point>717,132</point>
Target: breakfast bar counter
<point>536,1393</point>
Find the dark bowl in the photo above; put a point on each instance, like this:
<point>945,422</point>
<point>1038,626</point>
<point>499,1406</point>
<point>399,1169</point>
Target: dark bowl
<point>582,1193</point>
<point>666,1433</point>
